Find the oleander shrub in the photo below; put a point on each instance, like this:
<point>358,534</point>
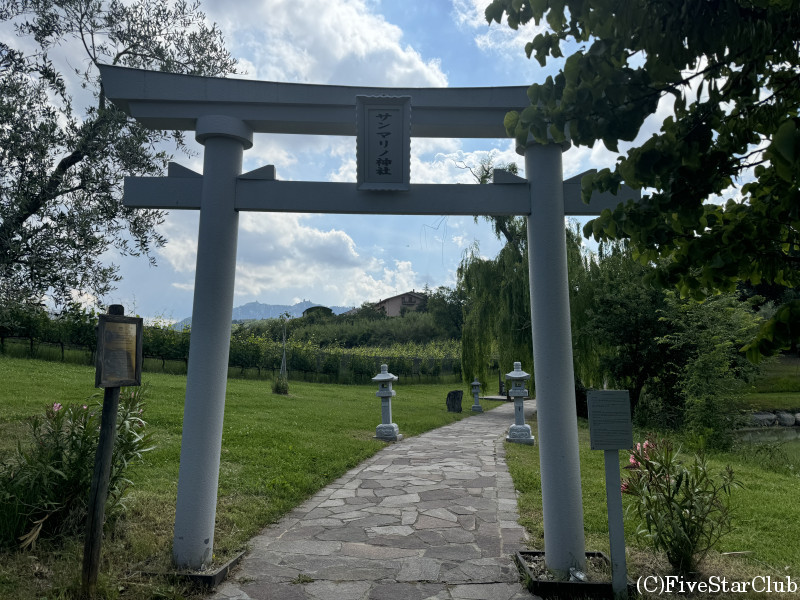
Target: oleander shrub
<point>683,509</point>
<point>44,485</point>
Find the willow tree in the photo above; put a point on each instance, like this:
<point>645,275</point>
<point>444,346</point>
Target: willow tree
<point>497,309</point>
<point>721,177</point>
<point>65,150</point>
<point>497,316</point>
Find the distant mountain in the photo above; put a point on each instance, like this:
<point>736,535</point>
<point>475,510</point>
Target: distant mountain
<point>256,310</point>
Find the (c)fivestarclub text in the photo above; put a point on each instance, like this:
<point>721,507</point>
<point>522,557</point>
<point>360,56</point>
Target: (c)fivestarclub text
<point>674,584</point>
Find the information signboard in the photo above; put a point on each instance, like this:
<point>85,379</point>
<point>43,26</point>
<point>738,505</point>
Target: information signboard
<point>609,419</point>
<point>119,351</point>
<point>383,142</point>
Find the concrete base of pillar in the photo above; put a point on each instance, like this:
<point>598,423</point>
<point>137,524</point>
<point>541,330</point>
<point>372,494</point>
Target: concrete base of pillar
<point>520,434</point>
<point>388,432</point>
<point>477,408</point>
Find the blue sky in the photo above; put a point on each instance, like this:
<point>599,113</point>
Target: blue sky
<point>347,260</point>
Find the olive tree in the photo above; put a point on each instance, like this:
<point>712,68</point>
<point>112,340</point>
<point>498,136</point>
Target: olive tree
<point>65,150</point>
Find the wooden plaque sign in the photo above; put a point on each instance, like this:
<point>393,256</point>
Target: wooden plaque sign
<point>383,142</point>
<point>610,420</point>
<point>119,351</point>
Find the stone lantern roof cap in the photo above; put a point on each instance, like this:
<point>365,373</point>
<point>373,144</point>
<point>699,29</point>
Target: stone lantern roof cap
<point>384,375</point>
<point>518,373</point>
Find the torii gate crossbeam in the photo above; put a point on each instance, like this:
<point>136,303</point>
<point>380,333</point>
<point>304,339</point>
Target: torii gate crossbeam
<point>224,113</point>
<point>259,191</point>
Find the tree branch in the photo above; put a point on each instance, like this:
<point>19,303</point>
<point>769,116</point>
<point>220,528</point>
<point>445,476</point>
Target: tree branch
<point>33,204</point>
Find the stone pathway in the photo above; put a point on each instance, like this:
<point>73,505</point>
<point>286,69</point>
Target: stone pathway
<point>431,517</point>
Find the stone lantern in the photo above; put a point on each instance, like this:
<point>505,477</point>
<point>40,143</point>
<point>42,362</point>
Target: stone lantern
<point>476,392</point>
<point>519,432</point>
<point>387,430</point>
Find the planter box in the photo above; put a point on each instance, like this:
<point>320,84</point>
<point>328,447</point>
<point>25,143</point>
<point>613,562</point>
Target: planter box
<point>205,579</point>
<point>550,589</point>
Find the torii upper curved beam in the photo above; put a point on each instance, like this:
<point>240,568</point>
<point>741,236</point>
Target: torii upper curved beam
<point>174,102</point>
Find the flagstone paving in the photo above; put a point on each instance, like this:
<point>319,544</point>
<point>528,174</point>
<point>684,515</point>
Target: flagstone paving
<point>431,517</point>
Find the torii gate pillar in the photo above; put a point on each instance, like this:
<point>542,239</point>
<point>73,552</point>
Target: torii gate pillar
<point>562,505</point>
<point>225,140</point>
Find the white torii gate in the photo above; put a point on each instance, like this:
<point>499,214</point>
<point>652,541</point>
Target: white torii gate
<point>224,113</point>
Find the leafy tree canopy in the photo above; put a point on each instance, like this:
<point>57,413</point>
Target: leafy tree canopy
<point>729,68</point>
<point>64,150</point>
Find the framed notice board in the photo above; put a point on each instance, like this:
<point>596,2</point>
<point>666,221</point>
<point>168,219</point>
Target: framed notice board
<point>609,419</point>
<point>119,351</point>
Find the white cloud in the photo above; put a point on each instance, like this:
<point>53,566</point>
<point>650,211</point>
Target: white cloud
<point>318,41</point>
<point>453,164</point>
<point>344,284</point>
<point>180,252</point>
<point>84,299</point>
<point>497,38</point>
<point>432,146</point>
<point>280,239</point>
<point>461,241</point>
<point>186,287</point>
<point>582,158</point>
<point>346,173</point>
<point>281,257</point>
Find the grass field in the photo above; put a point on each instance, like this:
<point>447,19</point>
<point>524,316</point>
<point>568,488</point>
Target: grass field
<point>276,451</point>
<point>767,528</point>
<point>778,388</point>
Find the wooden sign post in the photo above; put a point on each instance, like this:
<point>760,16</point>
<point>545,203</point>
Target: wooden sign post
<point>119,363</point>
<point>610,430</point>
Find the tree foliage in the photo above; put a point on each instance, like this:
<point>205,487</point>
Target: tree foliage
<point>446,309</point>
<point>620,315</point>
<point>496,292</point>
<point>730,70</point>
<point>438,318</point>
<point>497,315</point>
<point>701,370</point>
<point>680,359</point>
<point>64,150</point>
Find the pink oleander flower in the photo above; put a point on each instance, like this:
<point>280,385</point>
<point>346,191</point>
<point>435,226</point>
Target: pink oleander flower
<point>57,407</point>
<point>641,450</point>
<point>624,487</point>
<point>85,407</point>
<point>632,460</point>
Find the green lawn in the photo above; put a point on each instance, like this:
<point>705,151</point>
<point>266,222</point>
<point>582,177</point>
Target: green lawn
<point>778,388</point>
<point>276,452</point>
<point>768,513</point>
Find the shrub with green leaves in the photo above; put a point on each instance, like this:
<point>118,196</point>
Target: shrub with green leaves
<point>280,385</point>
<point>44,486</point>
<point>683,509</point>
